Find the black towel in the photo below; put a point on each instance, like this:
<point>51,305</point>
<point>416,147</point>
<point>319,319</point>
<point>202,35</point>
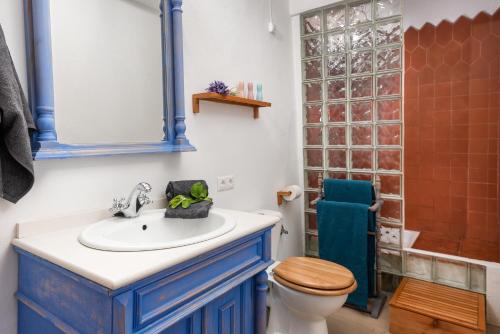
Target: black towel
<point>16,122</point>
<point>175,188</point>
<point>196,210</point>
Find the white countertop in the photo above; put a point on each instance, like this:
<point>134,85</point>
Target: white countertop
<point>117,269</point>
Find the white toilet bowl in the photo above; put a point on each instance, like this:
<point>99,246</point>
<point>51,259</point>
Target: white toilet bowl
<point>298,312</point>
<point>300,303</point>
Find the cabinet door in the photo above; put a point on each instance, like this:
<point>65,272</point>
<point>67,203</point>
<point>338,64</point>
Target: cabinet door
<point>189,325</point>
<point>231,313</point>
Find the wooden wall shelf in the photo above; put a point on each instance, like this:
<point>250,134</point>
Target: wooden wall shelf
<point>241,101</point>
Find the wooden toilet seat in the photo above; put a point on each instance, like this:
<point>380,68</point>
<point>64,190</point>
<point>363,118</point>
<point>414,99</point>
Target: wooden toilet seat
<point>315,276</point>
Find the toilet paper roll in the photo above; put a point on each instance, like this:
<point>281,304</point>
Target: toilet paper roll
<point>295,191</point>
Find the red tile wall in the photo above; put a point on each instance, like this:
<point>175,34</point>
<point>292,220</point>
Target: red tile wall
<point>451,137</point>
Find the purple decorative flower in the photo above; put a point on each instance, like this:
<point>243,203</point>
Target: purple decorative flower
<point>218,87</point>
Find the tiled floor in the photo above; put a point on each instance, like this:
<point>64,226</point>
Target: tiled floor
<point>439,244</point>
<point>349,321</point>
<point>470,248</point>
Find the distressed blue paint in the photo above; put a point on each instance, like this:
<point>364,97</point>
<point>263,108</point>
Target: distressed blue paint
<point>167,74</point>
<point>29,321</point>
<point>260,301</point>
<point>180,126</point>
<point>222,291</point>
<point>44,82</point>
<point>123,320</point>
<point>191,324</point>
<point>61,271</point>
<point>247,307</point>
<point>63,300</point>
<point>267,246</point>
<point>30,60</point>
<point>41,88</point>
<point>44,150</point>
<point>224,314</point>
<point>208,274</point>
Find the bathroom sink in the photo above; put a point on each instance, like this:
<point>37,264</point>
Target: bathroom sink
<point>151,230</point>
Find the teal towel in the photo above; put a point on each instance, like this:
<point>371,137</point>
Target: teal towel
<point>356,191</point>
<point>343,239</point>
<point>351,191</point>
<point>361,192</point>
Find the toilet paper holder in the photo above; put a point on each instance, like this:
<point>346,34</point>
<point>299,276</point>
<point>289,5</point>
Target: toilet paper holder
<point>280,194</point>
<point>288,193</point>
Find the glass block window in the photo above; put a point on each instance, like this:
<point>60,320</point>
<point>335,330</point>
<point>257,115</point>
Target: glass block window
<point>352,110</point>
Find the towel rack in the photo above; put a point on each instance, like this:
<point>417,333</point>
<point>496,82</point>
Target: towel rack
<point>374,208</point>
<point>379,300</point>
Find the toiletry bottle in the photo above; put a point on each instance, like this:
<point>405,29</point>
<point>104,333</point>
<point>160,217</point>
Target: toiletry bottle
<point>259,92</point>
<point>241,89</point>
<point>250,91</point>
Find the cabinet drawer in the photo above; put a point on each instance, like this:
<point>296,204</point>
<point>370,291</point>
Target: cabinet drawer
<point>163,298</point>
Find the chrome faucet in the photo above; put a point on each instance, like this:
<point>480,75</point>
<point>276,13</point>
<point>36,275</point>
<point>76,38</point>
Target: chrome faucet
<point>136,201</point>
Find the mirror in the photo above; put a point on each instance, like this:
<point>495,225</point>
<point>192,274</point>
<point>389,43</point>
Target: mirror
<point>105,77</point>
<point>107,63</point>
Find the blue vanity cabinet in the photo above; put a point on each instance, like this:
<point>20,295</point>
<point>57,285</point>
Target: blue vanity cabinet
<point>222,291</point>
<point>231,313</point>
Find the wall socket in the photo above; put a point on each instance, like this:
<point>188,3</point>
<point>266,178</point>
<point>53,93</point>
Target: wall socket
<point>225,183</point>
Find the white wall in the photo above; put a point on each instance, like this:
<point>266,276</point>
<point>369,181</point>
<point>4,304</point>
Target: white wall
<point>300,6</point>
<point>418,12</point>
<point>226,41</point>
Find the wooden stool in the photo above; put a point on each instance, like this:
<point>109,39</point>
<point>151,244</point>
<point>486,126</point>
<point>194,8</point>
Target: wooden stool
<point>423,308</point>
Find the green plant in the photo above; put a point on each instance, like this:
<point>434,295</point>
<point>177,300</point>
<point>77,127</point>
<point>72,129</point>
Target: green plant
<point>199,193</point>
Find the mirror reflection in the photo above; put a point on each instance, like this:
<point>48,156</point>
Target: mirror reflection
<point>107,65</point>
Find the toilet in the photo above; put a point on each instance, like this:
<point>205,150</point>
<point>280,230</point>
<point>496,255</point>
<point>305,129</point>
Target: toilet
<point>303,291</point>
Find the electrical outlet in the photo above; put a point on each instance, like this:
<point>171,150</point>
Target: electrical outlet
<point>225,183</point>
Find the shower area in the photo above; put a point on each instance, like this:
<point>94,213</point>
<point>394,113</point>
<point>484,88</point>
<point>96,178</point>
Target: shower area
<point>392,92</point>
<point>451,99</point>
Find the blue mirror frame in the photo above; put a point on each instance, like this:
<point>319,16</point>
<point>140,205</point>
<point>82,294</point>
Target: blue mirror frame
<point>41,88</point>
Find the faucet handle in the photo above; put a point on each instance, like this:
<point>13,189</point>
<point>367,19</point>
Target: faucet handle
<point>144,199</point>
<point>144,186</point>
<point>118,205</point>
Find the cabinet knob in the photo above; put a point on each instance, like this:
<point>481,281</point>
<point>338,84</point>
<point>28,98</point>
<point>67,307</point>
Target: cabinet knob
<point>435,323</point>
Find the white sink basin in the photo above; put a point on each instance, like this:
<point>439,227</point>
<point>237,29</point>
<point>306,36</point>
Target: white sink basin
<point>151,230</point>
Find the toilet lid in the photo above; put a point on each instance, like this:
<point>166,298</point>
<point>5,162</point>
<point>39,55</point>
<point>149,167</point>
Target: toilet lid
<point>314,273</point>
